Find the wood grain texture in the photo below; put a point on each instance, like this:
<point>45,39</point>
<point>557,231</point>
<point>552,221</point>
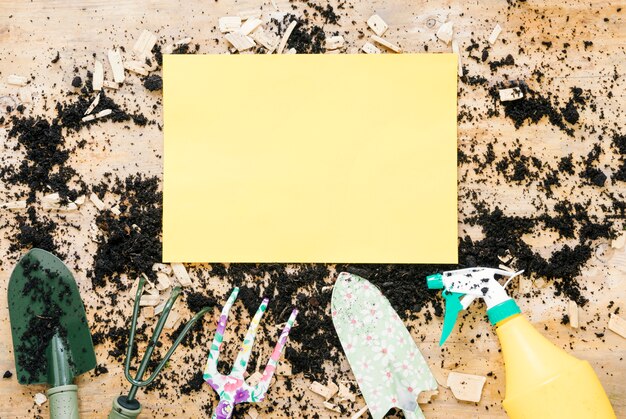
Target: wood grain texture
<point>32,32</point>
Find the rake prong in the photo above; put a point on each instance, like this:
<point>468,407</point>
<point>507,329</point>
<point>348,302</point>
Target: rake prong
<point>241,362</point>
<point>214,352</point>
<point>263,385</point>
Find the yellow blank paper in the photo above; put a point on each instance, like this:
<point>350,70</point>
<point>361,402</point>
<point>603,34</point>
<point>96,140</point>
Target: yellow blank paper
<point>310,158</point>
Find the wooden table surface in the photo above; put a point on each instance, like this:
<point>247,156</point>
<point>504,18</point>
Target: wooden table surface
<point>32,32</point>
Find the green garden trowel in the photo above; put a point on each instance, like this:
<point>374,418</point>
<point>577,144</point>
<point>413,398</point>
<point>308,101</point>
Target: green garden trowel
<point>51,339</point>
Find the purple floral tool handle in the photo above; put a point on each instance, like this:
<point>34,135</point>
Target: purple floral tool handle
<point>232,388</point>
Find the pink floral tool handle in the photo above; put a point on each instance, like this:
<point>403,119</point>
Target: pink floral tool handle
<point>232,389</point>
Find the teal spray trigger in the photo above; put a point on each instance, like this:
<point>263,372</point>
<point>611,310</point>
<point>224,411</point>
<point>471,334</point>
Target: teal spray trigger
<point>461,287</point>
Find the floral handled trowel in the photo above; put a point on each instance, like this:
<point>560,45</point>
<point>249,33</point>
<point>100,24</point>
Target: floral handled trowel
<point>388,366</point>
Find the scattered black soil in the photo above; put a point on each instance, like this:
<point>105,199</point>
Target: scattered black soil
<point>153,82</point>
<point>129,243</point>
<point>7,374</point>
<point>77,82</point>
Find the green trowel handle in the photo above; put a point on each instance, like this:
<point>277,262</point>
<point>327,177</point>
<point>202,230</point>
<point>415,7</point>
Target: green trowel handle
<point>122,410</point>
<point>63,402</point>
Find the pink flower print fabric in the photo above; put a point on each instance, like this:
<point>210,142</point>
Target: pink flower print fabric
<point>387,365</point>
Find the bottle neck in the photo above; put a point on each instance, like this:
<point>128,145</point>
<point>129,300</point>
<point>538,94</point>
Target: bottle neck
<point>503,311</point>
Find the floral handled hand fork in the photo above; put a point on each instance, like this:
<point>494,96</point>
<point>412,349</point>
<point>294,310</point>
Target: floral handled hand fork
<point>232,389</point>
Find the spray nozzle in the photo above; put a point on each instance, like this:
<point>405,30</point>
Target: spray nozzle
<point>461,287</point>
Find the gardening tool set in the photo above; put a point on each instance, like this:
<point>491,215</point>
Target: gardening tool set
<point>52,344</point>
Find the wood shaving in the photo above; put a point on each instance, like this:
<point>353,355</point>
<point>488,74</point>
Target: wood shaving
<point>360,413</point>
<point>117,67</point>
<point>386,44</point>
<point>370,48</point>
<point>572,312</point>
<point>97,201</point>
<point>101,114</point>
<point>172,320</point>
<point>144,44</point>
<point>335,42</point>
<point>445,32</point>
<point>229,23</point>
<point>619,242</point>
<point>93,104</point>
<point>494,34</point>
<point>466,387</point>
<point>181,274</point>
<point>149,300</point>
<point>617,325</point>
<point>377,24</point>
<point>507,95</point>
<point>98,75</point>
<point>136,67</point>
<point>250,25</point>
<point>426,396</point>
<point>110,85</point>
<point>344,393</point>
<point>40,399</point>
<point>163,281</point>
<point>239,41</point>
<point>264,38</point>
<point>326,392</point>
<point>13,205</point>
<point>285,38</point>
<point>16,80</point>
<point>332,407</point>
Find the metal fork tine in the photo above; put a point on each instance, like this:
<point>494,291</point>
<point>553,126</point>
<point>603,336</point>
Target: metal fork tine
<point>214,352</point>
<point>263,385</point>
<point>241,362</point>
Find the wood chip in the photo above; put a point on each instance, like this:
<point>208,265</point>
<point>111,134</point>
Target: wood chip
<point>426,396</point>
<point>325,391</point>
<point>617,325</point>
<point>172,320</point>
<point>159,309</point>
<point>148,312</point>
<point>445,32</point>
<point>13,205</point>
<point>619,242</point>
<point>494,34</point>
<point>457,51</point>
<point>572,312</point>
<point>332,407</point>
<point>93,104</point>
<point>466,387</point>
<point>285,38</point>
<point>335,42</point>
<point>377,24</point>
<point>98,76</point>
<point>40,398</point>
<point>249,26</point>
<point>149,300</point>
<point>386,44</point>
<point>524,285</point>
<point>181,274</point>
<point>370,48</point>
<point>57,207</point>
<point>360,413</point>
<point>17,80</point>
<point>229,23</point>
<point>162,267</point>
<point>252,413</point>
<point>266,39</point>
<point>25,95</point>
<point>101,114</point>
<point>239,41</point>
<point>144,44</point>
<point>115,210</point>
<point>137,67</point>
<point>163,281</point>
<point>97,201</point>
<point>52,198</point>
<point>110,85</point>
<point>507,95</point>
<point>115,60</point>
<point>344,393</point>
<point>80,200</point>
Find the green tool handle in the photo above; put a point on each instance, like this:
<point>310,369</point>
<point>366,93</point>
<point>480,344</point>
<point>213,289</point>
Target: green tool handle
<point>119,411</point>
<point>63,402</point>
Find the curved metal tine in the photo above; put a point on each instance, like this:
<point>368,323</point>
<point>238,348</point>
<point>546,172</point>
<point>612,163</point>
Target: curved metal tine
<point>270,368</point>
<point>241,362</point>
<point>214,352</point>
